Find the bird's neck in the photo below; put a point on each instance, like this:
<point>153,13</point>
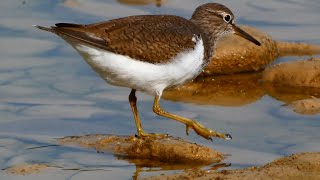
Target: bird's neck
<point>209,33</point>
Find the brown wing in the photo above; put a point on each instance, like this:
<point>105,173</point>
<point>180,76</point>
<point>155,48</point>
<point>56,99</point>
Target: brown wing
<point>148,38</point>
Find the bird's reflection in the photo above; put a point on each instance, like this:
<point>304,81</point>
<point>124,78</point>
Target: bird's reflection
<point>226,90</point>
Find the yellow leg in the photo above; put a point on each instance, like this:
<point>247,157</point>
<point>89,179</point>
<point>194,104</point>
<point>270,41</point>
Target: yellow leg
<point>133,104</point>
<point>197,127</point>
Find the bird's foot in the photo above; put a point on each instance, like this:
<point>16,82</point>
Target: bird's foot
<point>206,132</point>
<point>144,135</point>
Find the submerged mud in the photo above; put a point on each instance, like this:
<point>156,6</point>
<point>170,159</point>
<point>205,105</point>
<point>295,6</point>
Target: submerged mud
<point>305,73</point>
<point>309,106</point>
<point>26,169</point>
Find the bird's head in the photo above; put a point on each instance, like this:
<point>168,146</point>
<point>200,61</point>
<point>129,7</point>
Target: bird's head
<point>217,20</point>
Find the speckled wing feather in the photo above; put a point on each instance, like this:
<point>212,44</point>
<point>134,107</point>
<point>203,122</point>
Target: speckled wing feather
<point>150,38</point>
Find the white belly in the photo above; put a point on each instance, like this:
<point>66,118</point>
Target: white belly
<point>124,71</point>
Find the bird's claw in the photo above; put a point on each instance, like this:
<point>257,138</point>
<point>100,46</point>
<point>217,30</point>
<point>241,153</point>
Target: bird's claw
<point>187,130</point>
<point>206,132</point>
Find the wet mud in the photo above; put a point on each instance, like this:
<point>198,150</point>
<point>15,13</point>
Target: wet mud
<point>234,54</point>
<point>303,73</point>
<point>283,82</point>
<point>147,150</point>
<point>309,106</point>
<point>297,166</point>
<point>26,169</point>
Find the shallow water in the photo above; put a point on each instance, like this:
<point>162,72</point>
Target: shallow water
<point>47,91</point>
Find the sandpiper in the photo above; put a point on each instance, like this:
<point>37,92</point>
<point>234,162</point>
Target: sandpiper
<point>151,53</point>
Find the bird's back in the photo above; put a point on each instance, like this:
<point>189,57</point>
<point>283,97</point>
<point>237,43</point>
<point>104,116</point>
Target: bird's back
<point>148,38</point>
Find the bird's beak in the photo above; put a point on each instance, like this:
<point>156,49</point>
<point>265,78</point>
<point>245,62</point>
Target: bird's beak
<point>245,35</point>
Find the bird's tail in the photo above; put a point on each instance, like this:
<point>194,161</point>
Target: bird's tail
<point>44,28</point>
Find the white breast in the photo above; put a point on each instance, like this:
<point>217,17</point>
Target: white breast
<point>124,71</point>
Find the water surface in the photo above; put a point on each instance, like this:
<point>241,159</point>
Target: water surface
<point>48,91</point>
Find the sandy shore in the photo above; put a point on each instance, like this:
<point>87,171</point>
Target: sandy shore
<point>298,166</point>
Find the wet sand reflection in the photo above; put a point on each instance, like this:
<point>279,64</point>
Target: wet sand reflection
<point>225,90</point>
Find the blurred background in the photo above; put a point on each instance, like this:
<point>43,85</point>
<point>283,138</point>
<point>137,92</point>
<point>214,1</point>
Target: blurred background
<point>47,91</point>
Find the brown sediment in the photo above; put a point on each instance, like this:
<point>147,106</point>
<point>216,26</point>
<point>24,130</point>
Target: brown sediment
<point>298,166</point>
<point>161,149</point>
<point>305,73</point>
<point>224,90</point>
<point>287,82</point>
<point>297,49</point>
<point>234,54</point>
<point>309,106</point>
<point>24,169</point>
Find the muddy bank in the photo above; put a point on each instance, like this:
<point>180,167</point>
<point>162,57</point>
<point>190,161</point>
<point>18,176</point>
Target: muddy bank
<point>25,169</point>
<point>304,73</point>
<point>298,166</point>
<point>291,82</point>
<point>294,83</point>
<point>309,106</point>
<point>234,54</point>
<point>159,149</point>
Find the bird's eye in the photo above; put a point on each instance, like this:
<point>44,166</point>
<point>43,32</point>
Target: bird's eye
<point>227,18</point>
